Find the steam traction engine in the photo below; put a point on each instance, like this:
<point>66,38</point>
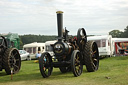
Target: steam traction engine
<point>71,53</point>
<point>9,57</point>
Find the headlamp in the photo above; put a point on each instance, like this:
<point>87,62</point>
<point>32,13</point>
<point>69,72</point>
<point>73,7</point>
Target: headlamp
<point>58,48</point>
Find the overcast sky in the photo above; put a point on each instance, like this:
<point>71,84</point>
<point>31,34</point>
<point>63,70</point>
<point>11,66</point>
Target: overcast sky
<point>98,17</point>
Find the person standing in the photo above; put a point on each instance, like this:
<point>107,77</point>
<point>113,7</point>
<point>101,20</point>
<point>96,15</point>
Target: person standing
<point>38,55</point>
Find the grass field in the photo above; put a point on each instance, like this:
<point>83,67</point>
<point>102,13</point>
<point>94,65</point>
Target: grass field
<point>112,71</point>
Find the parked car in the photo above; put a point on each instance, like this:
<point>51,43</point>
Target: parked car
<point>24,55</point>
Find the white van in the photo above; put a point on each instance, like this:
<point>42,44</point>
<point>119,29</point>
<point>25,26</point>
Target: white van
<point>104,43</point>
<point>33,48</point>
<point>49,47</point>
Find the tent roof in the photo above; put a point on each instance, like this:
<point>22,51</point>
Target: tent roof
<point>99,37</point>
<point>120,39</point>
<point>50,42</point>
<point>35,44</point>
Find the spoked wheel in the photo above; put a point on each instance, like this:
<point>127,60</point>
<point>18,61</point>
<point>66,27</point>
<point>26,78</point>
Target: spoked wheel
<point>76,63</point>
<point>81,38</point>
<point>11,61</point>
<point>45,65</point>
<point>91,56</point>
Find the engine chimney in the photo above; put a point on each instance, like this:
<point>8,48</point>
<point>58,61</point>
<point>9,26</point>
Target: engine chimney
<point>60,25</point>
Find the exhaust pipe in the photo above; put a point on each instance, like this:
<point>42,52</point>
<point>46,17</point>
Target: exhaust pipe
<point>60,25</point>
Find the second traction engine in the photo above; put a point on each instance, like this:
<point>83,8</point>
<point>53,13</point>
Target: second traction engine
<point>71,53</point>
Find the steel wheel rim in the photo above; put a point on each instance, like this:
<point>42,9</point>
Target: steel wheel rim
<point>14,61</point>
<point>77,64</point>
<point>95,56</point>
<point>46,61</point>
<point>46,69</point>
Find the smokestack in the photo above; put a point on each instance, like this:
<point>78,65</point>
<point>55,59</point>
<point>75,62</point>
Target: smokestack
<point>60,25</point>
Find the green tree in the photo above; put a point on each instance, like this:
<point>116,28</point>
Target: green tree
<point>36,38</point>
<point>125,33</point>
<point>116,33</point>
<point>21,44</point>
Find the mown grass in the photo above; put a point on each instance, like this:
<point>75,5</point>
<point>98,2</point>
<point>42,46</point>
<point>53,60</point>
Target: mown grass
<point>112,71</point>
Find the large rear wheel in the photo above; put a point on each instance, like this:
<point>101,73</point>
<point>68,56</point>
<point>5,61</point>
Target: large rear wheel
<point>45,65</point>
<point>11,60</point>
<point>91,56</point>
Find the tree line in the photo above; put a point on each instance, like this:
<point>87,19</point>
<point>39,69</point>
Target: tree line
<point>119,34</point>
<point>26,39</point>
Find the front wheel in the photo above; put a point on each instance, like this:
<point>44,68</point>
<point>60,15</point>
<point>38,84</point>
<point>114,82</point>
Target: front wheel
<point>45,65</point>
<point>28,58</point>
<point>76,63</point>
